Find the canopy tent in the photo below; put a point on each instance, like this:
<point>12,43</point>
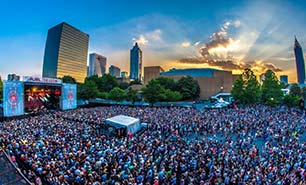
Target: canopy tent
<point>131,124</point>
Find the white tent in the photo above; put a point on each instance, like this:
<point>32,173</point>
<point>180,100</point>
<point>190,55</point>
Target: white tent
<point>131,124</point>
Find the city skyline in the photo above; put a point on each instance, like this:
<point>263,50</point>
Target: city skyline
<point>225,34</point>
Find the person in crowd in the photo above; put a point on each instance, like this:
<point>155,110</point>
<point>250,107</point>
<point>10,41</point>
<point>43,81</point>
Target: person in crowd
<point>245,145</point>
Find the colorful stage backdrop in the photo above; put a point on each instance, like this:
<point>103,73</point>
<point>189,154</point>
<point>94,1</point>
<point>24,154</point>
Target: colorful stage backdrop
<point>12,98</point>
<point>69,96</point>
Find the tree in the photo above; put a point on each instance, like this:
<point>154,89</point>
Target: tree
<point>87,90</point>
<point>123,85</point>
<point>172,96</point>
<point>252,87</point>
<point>68,79</point>
<point>291,101</point>
<point>93,78</point>
<point>153,92</point>
<point>188,87</point>
<point>246,88</point>
<point>117,94</point>
<point>107,82</point>
<point>167,83</point>
<point>1,90</point>
<point>238,89</point>
<point>295,90</point>
<point>271,88</point>
<point>132,95</point>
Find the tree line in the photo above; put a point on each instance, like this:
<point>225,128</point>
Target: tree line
<point>157,90</point>
<point>247,90</point>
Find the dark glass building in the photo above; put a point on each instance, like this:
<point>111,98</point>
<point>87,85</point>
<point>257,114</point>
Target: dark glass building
<point>300,64</point>
<point>136,63</point>
<point>66,52</point>
<point>114,71</point>
<point>284,79</point>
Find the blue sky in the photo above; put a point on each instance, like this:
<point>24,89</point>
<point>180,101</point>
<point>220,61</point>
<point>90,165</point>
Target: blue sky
<point>180,34</point>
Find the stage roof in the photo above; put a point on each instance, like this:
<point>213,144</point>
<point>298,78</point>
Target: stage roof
<point>121,121</point>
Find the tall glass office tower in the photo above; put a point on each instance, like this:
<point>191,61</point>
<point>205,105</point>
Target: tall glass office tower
<point>97,65</point>
<point>66,52</point>
<point>299,60</point>
<point>136,63</point>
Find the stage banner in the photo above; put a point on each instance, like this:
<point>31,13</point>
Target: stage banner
<point>13,98</point>
<point>69,96</point>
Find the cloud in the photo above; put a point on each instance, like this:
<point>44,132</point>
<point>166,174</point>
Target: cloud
<point>141,40</point>
<point>185,44</point>
<point>154,35</point>
<point>217,40</point>
<point>256,66</point>
<point>237,23</point>
<point>197,43</point>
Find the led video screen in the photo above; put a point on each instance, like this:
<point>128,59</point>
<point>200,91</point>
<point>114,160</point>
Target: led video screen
<point>12,98</point>
<point>69,96</point>
<point>41,97</point>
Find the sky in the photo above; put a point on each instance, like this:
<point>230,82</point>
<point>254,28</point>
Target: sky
<point>229,34</point>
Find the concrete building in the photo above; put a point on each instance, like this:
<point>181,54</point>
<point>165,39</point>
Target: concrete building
<point>284,79</point>
<point>152,72</point>
<point>66,52</point>
<point>97,65</point>
<point>299,61</point>
<point>211,81</point>
<point>136,63</point>
<point>114,71</point>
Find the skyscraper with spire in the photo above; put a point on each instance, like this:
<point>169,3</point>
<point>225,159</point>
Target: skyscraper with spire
<point>136,63</point>
<point>299,60</point>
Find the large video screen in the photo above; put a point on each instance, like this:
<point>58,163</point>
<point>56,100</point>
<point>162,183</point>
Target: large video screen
<point>69,96</point>
<point>41,97</point>
<point>12,98</point>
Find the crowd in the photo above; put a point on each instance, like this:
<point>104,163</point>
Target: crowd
<point>249,145</point>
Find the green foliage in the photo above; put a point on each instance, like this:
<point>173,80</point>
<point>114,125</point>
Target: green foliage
<point>283,85</point>
<point>295,90</point>
<point>117,94</point>
<point>68,79</point>
<point>132,95</point>
<point>246,88</point>
<point>123,85</point>
<point>252,87</point>
<point>271,89</point>
<point>153,92</point>
<point>172,96</point>
<point>107,82</point>
<point>291,100</point>
<point>188,87</point>
<point>87,90</point>
<point>102,95</point>
<point>104,83</point>
<point>238,89</point>
<point>94,79</point>
<point>167,83</point>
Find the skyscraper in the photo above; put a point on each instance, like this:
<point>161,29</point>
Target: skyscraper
<point>299,60</point>
<point>114,71</point>
<point>136,63</point>
<point>97,65</point>
<point>284,79</point>
<point>66,52</point>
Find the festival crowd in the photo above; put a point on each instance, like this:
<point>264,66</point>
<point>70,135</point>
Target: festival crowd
<point>249,145</point>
